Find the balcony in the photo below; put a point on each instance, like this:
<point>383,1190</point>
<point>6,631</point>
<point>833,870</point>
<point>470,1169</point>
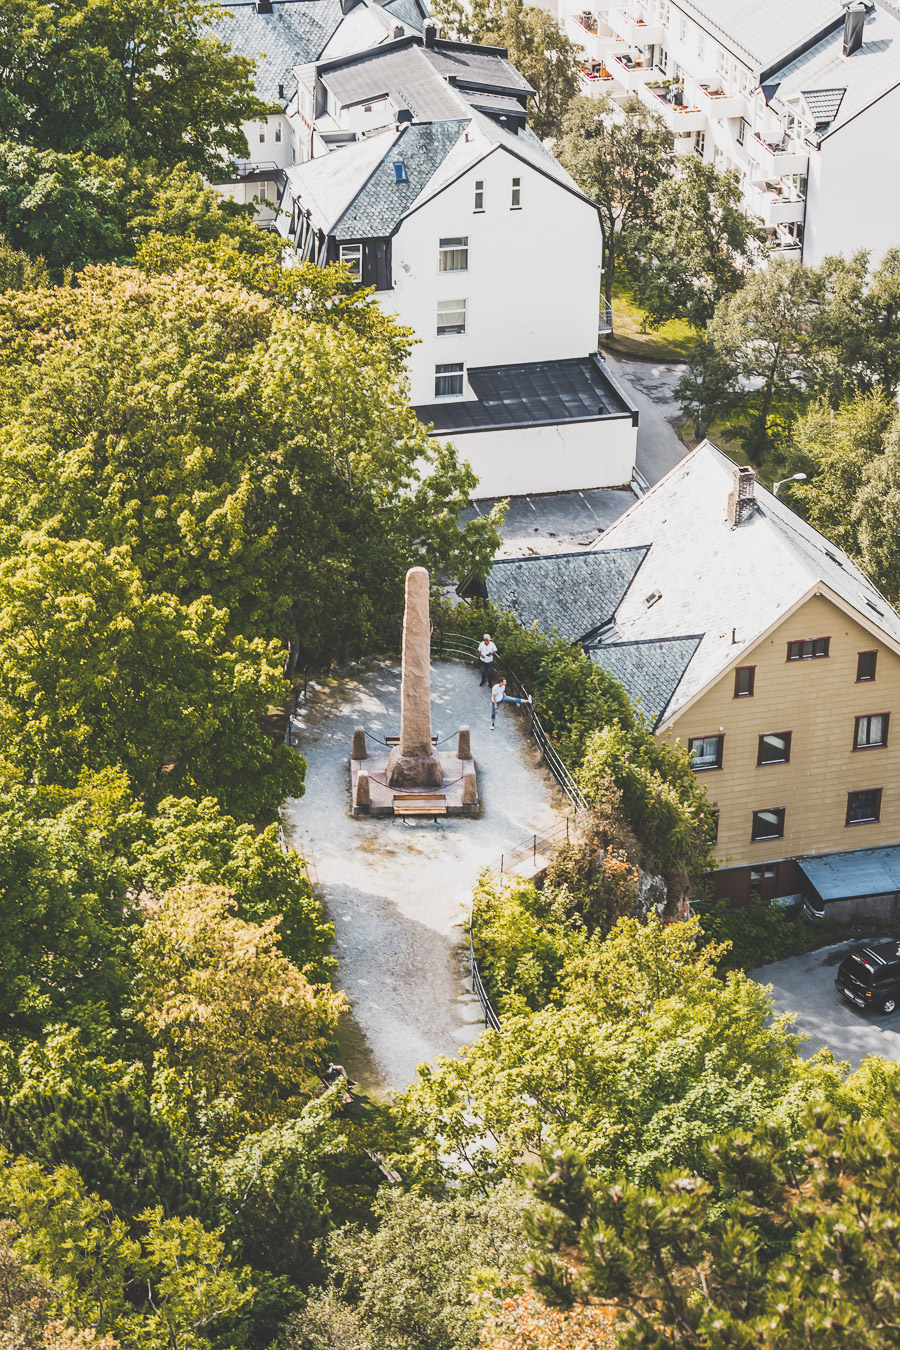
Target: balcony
<point>637,32</point>
<point>596,81</point>
<point>631,72</point>
<point>716,103</point>
<point>778,206</point>
<point>590,32</point>
<point>768,161</point>
<point>668,101</point>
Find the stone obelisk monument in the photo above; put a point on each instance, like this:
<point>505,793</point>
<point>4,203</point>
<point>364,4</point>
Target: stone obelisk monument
<point>413,763</point>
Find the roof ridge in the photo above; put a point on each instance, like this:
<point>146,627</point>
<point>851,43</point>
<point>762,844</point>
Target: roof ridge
<point>643,642</point>
<point>575,553</point>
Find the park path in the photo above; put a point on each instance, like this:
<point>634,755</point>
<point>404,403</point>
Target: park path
<point>398,890</point>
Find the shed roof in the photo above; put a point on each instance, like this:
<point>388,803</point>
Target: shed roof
<point>846,876</point>
<point>572,593</point>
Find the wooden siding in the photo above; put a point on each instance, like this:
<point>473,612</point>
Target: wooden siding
<point>818,701</point>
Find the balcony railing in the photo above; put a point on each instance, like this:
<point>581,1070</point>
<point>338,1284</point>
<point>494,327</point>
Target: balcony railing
<point>775,160</point>
<point>679,115</point>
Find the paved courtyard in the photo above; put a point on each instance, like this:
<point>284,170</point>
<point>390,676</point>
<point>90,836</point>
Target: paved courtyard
<point>805,985</point>
<point>398,890</point>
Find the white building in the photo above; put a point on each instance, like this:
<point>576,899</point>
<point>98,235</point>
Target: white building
<point>280,35</point>
<point>798,98</point>
<point>427,182</point>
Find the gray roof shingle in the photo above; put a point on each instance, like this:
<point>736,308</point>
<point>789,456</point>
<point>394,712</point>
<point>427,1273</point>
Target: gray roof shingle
<point>406,12</point>
<point>381,203</point>
<point>650,671</point>
<point>536,393</point>
<point>823,104</point>
<point>296,32</point>
<point>574,593</point>
<point>403,74</point>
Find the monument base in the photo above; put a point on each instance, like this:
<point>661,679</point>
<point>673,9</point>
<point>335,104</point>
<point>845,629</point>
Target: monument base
<point>454,794</point>
<point>413,771</point>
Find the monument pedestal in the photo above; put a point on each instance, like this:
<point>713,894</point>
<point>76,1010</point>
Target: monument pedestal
<point>384,800</point>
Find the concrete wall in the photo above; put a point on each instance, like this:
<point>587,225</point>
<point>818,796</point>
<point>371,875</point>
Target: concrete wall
<point>863,907</point>
<point>533,281</point>
<point>551,459</point>
<point>853,197</point>
<point>818,701</point>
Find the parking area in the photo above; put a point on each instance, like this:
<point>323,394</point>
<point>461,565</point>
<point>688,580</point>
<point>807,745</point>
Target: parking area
<point>804,985</point>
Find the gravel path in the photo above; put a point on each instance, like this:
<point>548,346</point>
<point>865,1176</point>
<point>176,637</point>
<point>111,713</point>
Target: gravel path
<point>397,891</point>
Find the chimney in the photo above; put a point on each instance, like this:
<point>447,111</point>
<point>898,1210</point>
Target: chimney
<point>264,6</point>
<point>854,22</point>
<point>429,32</point>
<point>403,115</point>
<point>742,497</point>
<point>398,32</point>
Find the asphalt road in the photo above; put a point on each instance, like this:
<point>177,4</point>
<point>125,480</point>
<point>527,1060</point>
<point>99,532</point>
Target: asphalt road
<point>805,985</point>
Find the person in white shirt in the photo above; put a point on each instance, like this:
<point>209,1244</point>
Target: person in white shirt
<point>498,696</point>
<point>486,653</point>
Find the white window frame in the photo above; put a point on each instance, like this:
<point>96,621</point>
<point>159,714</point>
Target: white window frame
<point>448,371</point>
<point>453,245</point>
<point>278,133</point>
<point>479,194</point>
<point>515,201</point>
<point>350,254</point>
<point>448,308</point>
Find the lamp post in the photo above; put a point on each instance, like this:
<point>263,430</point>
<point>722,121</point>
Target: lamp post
<point>794,478</point>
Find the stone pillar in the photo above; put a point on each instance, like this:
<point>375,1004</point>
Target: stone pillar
<point>363,794</point>
<point>469,789</point>
<point>359,750</point>
<point>464,744</point>
<point>413,762</point>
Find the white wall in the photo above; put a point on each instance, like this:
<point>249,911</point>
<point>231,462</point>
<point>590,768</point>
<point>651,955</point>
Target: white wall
<point>550,459</point>
<point>853,197</point>
<point>533,281</point>
<point>267,150</point>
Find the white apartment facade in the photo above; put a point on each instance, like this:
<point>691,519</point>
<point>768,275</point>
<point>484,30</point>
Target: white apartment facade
<point>799,100</point>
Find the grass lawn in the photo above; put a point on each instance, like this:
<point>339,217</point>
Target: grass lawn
<point>669,343</point>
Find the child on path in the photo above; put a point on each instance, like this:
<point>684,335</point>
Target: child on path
<point>498,696</point>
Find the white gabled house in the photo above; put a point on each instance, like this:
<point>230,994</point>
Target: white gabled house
<point>425,179</point>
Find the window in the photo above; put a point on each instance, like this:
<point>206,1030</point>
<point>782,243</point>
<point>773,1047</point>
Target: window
<point>262,133</point>
<point>864,808</point>
<point>700,143</point>
<point>451,317</point>
<point>744,681</point>
<point>768,824</point>
<point>808,649</point>
<point>701,43</point>
<point>400,172</point>
<point>741,131</point>
<point>871,731</point>
<point>448,380</point>
<point>682,29</point>
<point>278,133</point>
<point>351,256</point>
<point>707,752</point>
<point>758,874</point>
<point>516,194</point>
<point>774,748</point>
<point>454,255</point>
<point>479,194</point>
<point>865,666</point>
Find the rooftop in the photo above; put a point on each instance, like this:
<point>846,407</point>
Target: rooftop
<point>760,32</point>
<point>572,594</point>
<point>536,393</point>
<point>651,670</point>
<point>863,871</point>
<point>296,32</point>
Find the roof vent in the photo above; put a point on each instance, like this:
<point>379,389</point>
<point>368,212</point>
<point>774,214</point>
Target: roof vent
<point>854,22</point>
<point>264,6</point>
<point>652,598</point>
<point>400,172</point>
<point>742,497</point>
<point>398,32</point>
<point>429,33</point>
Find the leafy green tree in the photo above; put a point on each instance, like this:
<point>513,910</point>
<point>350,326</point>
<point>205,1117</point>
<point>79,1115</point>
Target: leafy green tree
<point>195,841</point>
<point>777,1246</point>
<point>537,46</point>
<point>19,272</point>
<point>178,205</point>
<point>619,157</point>
<point>876,517</point>
<point>143,79</point>
<point>64,208</point>
<point>697,246</point>
<point>409,1284</point>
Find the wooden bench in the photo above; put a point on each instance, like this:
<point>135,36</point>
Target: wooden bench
<point>395,740</point>
<point>420,804</point>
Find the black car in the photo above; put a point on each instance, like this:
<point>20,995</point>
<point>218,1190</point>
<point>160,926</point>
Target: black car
<point>870,977</point>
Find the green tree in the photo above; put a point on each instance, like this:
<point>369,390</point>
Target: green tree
<point>876,518</point>
<point>777,1246</point>
<point>618,157</point>
<point>65,208</point>
<point>537,46</point>
<point>697,246</point>
<point>143,79</point>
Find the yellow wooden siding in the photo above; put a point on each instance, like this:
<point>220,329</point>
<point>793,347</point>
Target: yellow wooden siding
<point>818,701</point>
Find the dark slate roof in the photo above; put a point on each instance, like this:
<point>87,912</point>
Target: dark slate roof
<point>296,32</point>
<point>536,393</point>
<point>864,871</point>
<point>574,593</point>
<point>823,104</point>
<point>486,66</point>
<point>400,71</point>
<point>651,670</point>
<point>381,203</point>
<point>406,12</point>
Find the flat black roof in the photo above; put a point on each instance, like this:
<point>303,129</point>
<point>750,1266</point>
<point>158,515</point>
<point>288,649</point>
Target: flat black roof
<point>536,393</point>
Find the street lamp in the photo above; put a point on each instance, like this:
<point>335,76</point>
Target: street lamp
<point>794,478</point>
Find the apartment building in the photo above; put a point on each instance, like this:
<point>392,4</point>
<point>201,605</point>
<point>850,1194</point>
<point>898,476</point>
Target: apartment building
<point>744,634</point>
<point>794,98</point>
<point>421,174</point>
<point>280,35</point>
